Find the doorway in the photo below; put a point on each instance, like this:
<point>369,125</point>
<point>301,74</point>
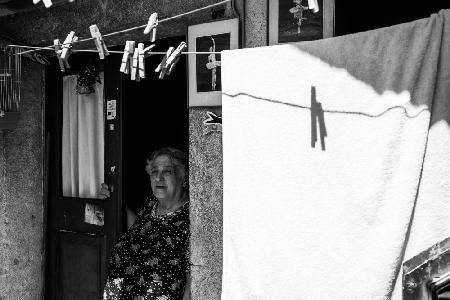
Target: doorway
<point>151,113</point>
<point>81,227</point>
<point>155,114</point>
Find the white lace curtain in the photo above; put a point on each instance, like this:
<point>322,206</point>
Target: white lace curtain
<point>82,140</point>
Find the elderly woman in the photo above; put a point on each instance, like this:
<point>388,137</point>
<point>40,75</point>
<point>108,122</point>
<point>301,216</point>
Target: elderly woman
<point>151,260</point>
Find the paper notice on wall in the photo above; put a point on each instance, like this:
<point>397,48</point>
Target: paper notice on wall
<point>111,109</point>
<point>94,214</point>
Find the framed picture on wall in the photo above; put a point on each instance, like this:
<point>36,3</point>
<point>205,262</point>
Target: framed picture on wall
<point>205,88</point>
<point>300,20</point>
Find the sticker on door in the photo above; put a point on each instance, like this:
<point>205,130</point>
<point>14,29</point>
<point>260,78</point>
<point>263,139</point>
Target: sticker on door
<point>94,214</point>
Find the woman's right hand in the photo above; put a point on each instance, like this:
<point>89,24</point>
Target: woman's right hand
<point>104,191</point>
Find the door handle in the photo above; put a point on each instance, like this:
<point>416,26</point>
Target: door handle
<point>110,179</point>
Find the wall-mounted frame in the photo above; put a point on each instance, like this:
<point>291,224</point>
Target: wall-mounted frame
<point>300,20</point>
<point>205,88</point>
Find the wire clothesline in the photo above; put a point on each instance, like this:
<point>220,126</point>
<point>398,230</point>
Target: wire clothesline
<point>124,31</point>
<point>110,51</point>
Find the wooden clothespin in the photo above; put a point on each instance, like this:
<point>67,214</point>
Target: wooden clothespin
<point>134,68</point>
<point>175,57</point>
<point>71,38</point>
<point>127,57</point>
<point>147,51</point>
<point>162,66</point>
<point>47,3</point>
<point>143,53</point>
<point>58,51</point>
<point>99,42</point>
<point>151,26</point>
<point>313,5</point>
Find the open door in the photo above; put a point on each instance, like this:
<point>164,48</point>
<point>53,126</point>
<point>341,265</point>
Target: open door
<point>81,230</point>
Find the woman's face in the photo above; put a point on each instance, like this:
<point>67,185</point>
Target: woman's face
<point>166,183</point>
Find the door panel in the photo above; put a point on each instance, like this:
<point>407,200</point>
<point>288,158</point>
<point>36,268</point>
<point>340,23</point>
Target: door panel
<point>72,214</point>
<point>81,271</point>
<point>81,231</point>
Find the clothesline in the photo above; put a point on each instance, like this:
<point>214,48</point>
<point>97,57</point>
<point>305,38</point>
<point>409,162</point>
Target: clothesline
<point>123,31</point>
<point>110,51</point>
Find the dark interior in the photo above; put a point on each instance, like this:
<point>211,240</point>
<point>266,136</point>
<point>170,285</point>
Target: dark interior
<point>357,16</point>
<point>155,114</point>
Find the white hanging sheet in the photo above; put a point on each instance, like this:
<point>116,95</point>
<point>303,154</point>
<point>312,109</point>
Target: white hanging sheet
<point>324,144</point>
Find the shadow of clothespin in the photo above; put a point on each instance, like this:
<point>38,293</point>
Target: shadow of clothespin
<point>317,116</point>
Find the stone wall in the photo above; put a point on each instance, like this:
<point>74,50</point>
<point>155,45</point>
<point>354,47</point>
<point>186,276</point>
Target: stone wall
<point>205,163</point>
<point>206,178</point>
<point>21,194</point>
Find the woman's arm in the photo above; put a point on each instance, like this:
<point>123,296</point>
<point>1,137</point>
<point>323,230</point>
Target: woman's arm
<point>105,193</point>
<point>131,217</point>
<point>187,288</point>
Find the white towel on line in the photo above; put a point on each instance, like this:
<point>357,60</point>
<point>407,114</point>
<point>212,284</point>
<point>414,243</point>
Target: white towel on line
<point>302,222</point>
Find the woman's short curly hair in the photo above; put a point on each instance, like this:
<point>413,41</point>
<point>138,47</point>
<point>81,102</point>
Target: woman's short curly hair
<point>177,157</point>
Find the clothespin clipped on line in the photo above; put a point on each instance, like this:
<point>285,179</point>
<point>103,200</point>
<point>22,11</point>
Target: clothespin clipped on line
<point>127,57</point>
<point>65,53</point>
<point>313,5</point>
<point>143,53</point>
<point>175,57</point>
<point>99,42</point>
<point>137,64</point>
<point>170,60</point>
<point>58,52</point>
<point>162,67</point>
<point>134,66</point>
<point>47,3</point>
<point>141,62</point>
<point>151,26</point>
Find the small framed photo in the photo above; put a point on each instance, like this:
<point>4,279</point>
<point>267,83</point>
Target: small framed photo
<point>300,20</point>
<point>205,88</point>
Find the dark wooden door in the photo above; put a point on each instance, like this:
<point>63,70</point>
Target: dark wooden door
<point>77,250</point>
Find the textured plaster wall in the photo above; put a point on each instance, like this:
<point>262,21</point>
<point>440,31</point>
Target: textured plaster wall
<point>206,177</point>
<point>41,26</point>
<point>205,159</point>
<point>21,195</point>
<point>256,23</point>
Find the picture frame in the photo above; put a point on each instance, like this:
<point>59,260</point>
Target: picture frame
<point>204,71</point>
<point>299,20</point>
